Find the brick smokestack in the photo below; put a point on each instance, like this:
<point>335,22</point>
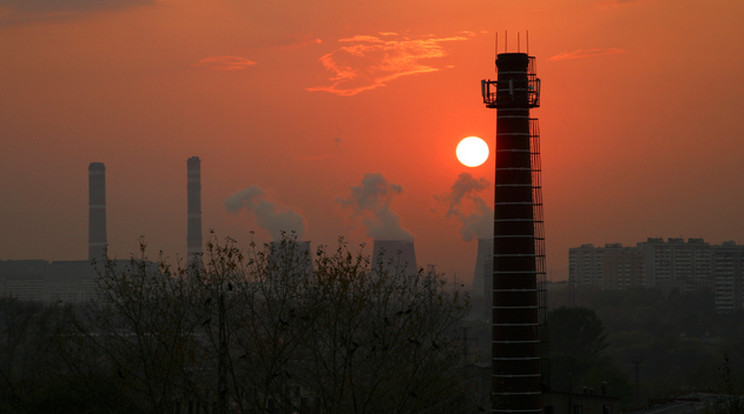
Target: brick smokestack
<point>96,211</point>
<point>516,349</point>
<point>194,225</point>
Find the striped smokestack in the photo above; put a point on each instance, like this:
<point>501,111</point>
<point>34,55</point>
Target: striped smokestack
<point>194,225</point>
<point>96,211</point>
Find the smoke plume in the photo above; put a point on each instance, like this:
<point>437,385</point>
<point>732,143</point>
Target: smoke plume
<point>271,217</point>
<point>465,205</point>
<point>371,201</point>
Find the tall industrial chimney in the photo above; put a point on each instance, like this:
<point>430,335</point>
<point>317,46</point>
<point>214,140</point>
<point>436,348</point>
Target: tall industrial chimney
<point>517,379</point>
<point>194,225</point>
<point>96,211</point>
<point>394,256</point>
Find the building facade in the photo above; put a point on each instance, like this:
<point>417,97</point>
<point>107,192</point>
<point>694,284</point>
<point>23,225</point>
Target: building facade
<point>670,265</point>
<point>68,281</point>
<point>728,262</point>
<point>677,265</point>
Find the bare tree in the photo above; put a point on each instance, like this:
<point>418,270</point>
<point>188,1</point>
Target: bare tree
<point>142,329</point>
<point>270,330</point>
<point>27,352</point>
<point>385,340</point>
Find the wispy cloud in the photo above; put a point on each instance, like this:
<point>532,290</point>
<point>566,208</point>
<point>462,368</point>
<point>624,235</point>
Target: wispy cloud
<point>366,62</point>
<point>370,201</point>
<point>226,63</point>
<point>585,53</point>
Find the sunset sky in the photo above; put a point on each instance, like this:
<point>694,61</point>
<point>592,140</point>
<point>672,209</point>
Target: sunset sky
<point>343,116</point>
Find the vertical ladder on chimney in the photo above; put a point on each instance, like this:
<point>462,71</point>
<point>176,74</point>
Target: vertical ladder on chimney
<point>539,226</point>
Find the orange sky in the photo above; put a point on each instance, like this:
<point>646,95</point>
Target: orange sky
<point>641,118</point>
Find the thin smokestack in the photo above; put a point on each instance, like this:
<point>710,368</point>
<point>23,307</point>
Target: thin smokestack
<point>194,224</point>
<point>96,211</point>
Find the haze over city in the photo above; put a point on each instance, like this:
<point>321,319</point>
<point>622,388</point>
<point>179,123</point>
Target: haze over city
<point>310,106</point>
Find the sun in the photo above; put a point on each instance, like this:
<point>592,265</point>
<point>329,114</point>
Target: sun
<point>472,151</point>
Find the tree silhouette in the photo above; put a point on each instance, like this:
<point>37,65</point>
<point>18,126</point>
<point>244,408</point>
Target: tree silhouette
<point>276,329</point>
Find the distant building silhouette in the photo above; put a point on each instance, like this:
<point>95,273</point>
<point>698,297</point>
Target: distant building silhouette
<point>23,279</point>
<point>585,265</point>
<point>610,267</point>
<point>39,280</point>
<point>676,264</point>
<point>728,277</point>
<point>622,267</point>
<point>672,265</point>
<point>667,265</point>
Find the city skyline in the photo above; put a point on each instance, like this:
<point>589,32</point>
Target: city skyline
<point>639,118</point>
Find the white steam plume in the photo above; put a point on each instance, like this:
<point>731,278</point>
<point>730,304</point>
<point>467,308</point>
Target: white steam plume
<point>271,217</point>
<point>476,216</point>
<point>371,201</point>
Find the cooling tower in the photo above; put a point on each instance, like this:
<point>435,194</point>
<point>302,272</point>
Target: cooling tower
<point>394,256</point>
<point>482,279</point>
<point>194,225</point>
<point>96,211</point>
<point>515,344</point>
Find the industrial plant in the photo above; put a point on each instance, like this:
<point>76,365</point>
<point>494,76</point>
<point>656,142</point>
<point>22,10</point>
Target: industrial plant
<point>73,281</point>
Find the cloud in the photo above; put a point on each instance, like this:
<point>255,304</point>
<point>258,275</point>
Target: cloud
<point>26,11</point>
<point>224,63</point>
<point>272,217</point>
<point>585,53</point>
<point>465,205</point>
<point>371,201</point>
<point>367,62</point>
